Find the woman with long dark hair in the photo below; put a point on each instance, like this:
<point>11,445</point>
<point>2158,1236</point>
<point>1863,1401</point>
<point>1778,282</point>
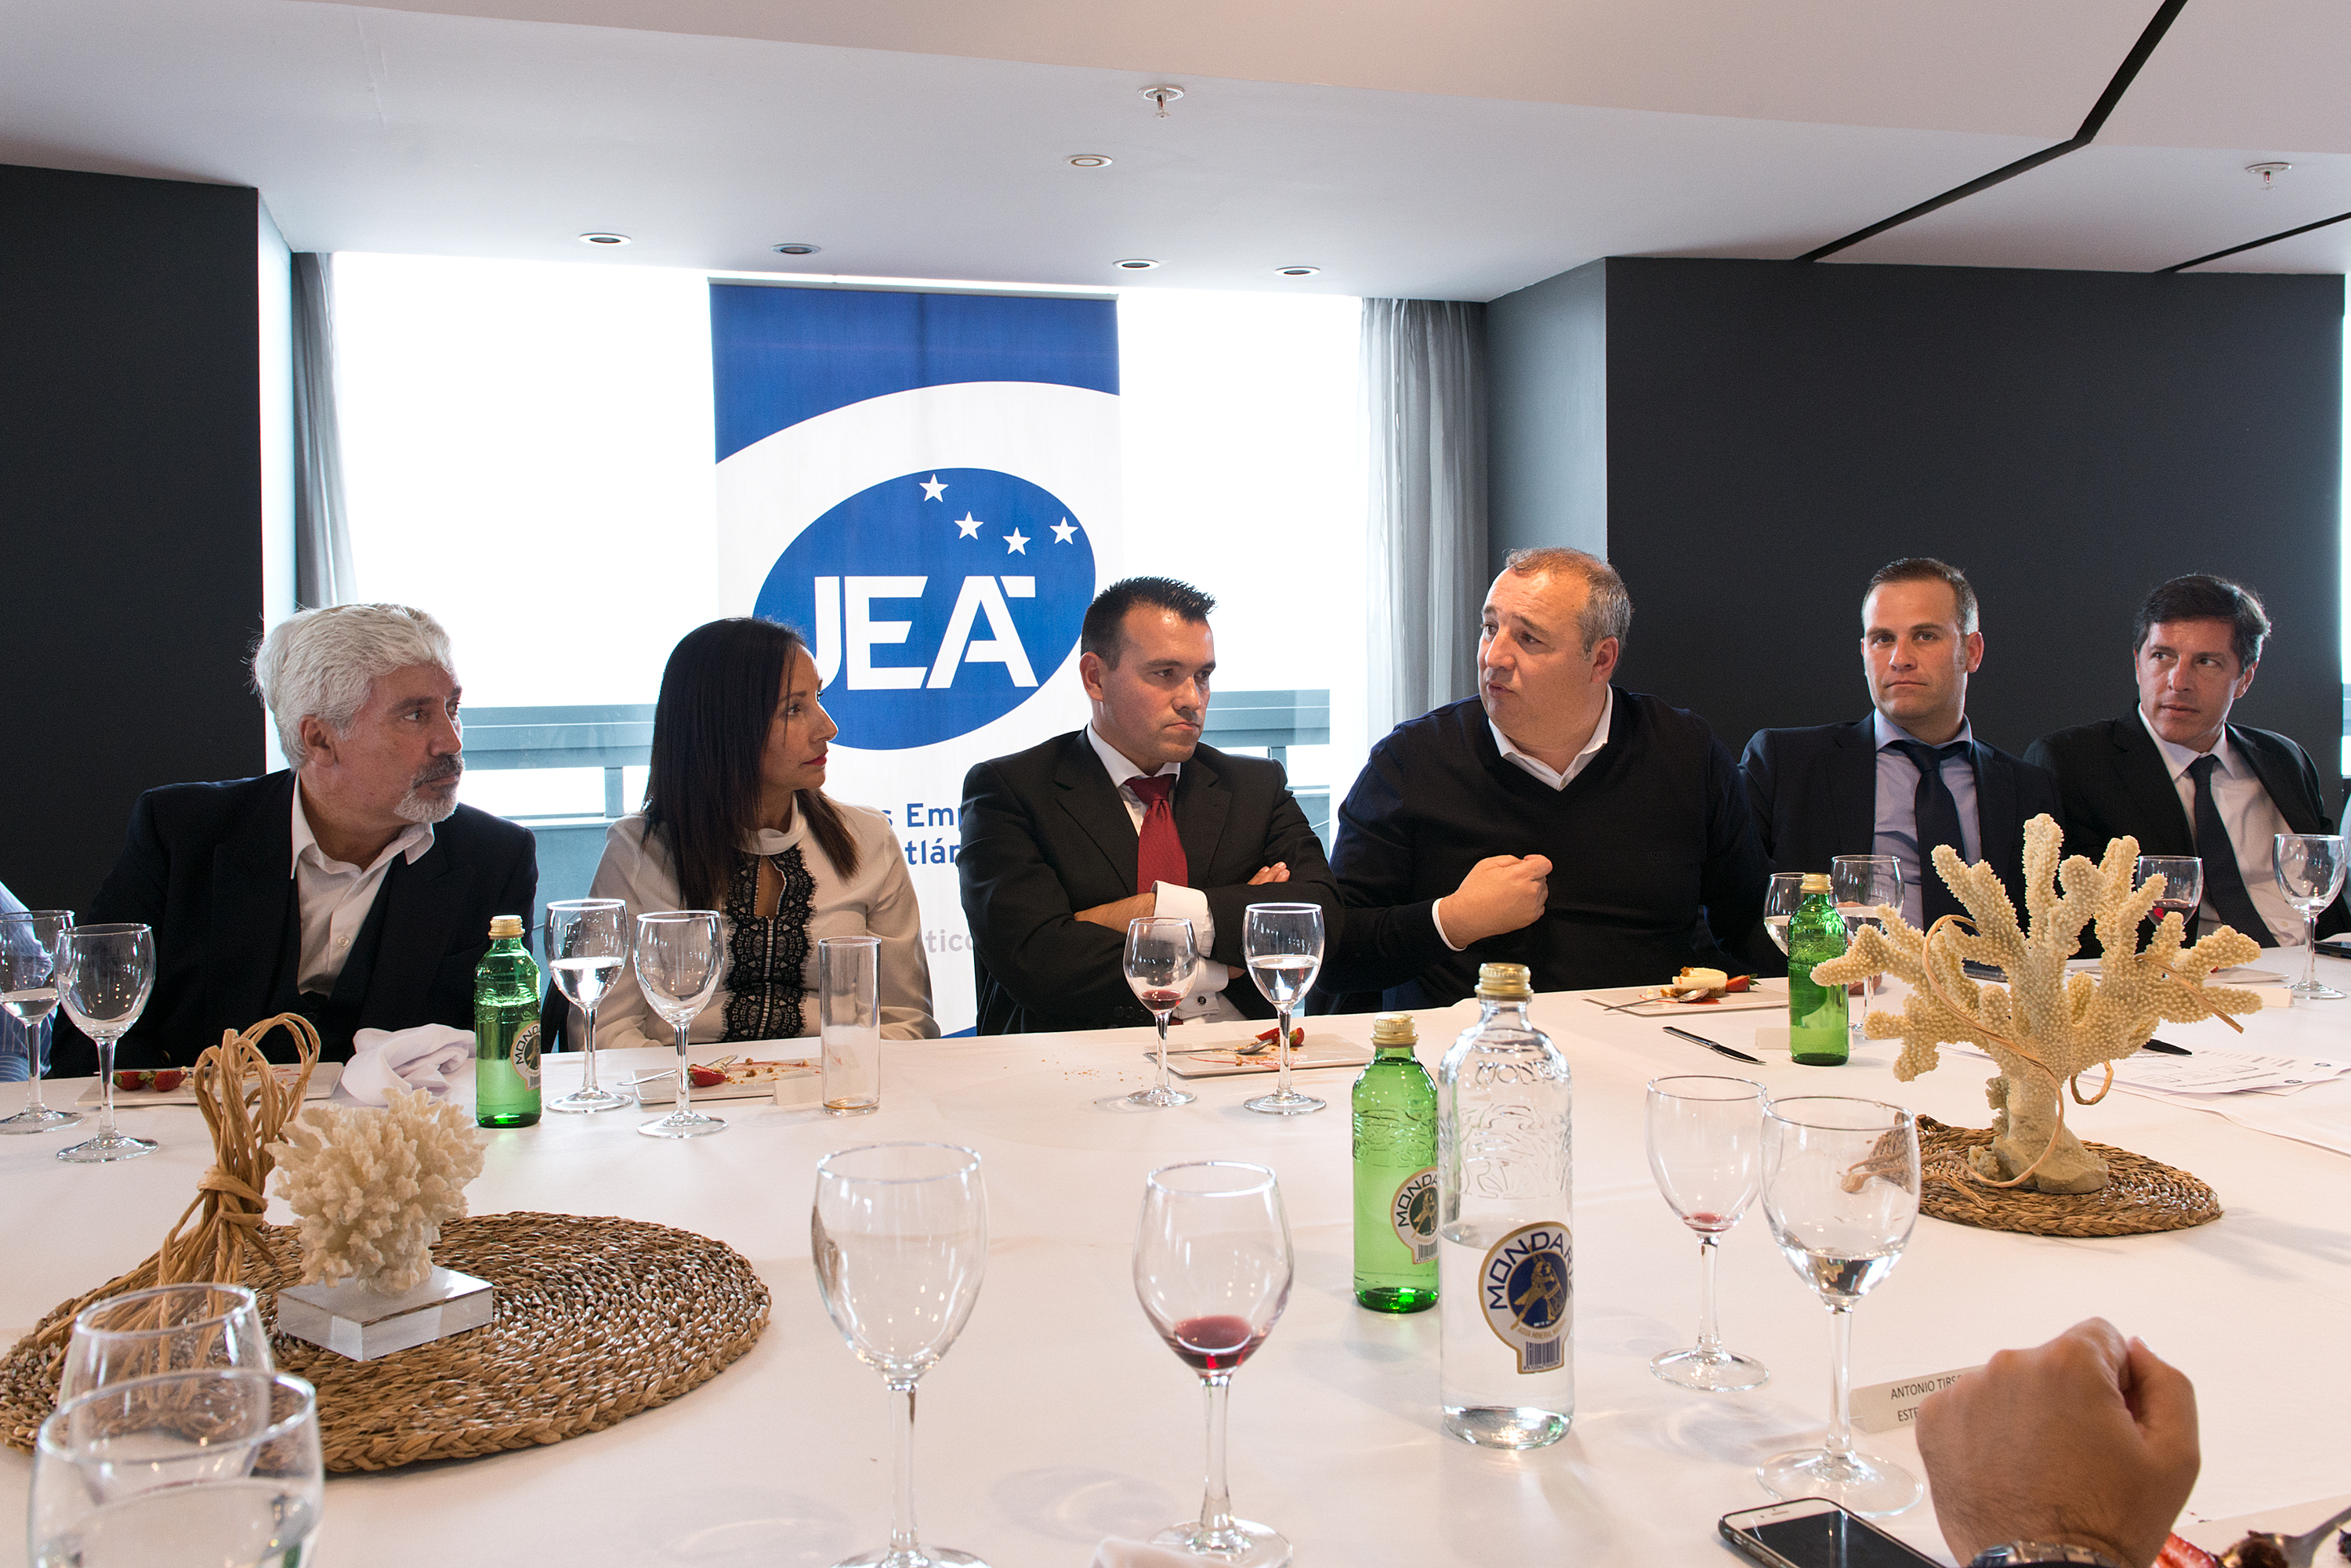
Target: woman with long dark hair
<point>737,820</point>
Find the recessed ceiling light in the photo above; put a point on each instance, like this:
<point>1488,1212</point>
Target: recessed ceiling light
<point>1297,271</point>
<point>604,239</point>
<point>796,247</point>
<point>1090,161</point>
<point>1137,264</point>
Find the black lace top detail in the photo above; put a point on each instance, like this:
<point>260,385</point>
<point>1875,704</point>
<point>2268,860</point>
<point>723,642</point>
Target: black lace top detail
<point>767,955</point>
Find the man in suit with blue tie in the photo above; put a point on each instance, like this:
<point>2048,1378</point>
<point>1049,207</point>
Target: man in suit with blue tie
<point>1912,774</point>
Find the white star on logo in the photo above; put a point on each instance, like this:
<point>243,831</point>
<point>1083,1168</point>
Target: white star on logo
<point>931,489</point>
<point>1063,531</point>
<point>1016,543</point>
<point>969,525</point>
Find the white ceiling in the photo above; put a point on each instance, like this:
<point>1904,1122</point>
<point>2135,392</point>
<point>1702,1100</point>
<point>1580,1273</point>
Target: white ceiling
<point>1404,149</point>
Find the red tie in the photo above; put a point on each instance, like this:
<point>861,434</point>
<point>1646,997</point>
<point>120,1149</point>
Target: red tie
<point>1159,857</point>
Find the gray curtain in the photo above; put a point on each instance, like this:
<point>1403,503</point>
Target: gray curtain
<point>1424,405</point>
<point>322,533</point>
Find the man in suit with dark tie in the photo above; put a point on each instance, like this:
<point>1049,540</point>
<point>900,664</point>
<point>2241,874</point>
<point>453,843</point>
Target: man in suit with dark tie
<point>352,889</point>
<point>1912,774</point>
<point>1066,843</point>
<point>2177,775</point>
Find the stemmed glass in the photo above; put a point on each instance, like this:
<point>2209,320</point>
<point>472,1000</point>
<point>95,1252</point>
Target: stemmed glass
<point>1861,884</point>
<point>1283,944</point>
<point>899,1236</point>
<point>1706,1149</point>
<point>2183,886</point>
<point>1213,1269</point>
<point>678,969</point>
<point>1841,1190</point>
<point>32,950</point>
<point>587,948</point>
<point>1162,961</point>
<point>108,971</point>
<point>218,1466</point>
<point>1780,902</point>
<point>171,1328</point>
<point>2309,869</point>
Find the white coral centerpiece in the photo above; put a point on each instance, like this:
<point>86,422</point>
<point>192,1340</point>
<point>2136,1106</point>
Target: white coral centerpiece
<point>372,1187</point>
<point>2045,1026</point>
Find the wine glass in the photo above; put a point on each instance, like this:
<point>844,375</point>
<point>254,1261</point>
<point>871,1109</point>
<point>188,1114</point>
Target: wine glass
<point>107,973</point>
<point>1841,1190</point>
<point>32,950</point>
<point>2309,869</point>
<point>899,1236</point>
<point>587,948</point>
<point>1162,961</point>
<point>1213,1269</point>
<point>1780,902</point>
<point>1706,1149</point>
<point>1283,944</point>
<point>171,1328</point>
<point>210,1467</point>
<point>1861,884</point>
<point>2183,886</point>
<point>679,963</point>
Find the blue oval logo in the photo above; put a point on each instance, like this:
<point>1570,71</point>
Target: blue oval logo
<point>936,602</point>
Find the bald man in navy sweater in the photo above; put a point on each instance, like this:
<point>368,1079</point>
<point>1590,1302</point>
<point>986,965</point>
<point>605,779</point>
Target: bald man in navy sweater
<point>1599,836</point>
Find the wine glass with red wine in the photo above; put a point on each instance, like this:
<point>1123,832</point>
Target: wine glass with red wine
<point>2183,887</point>
<point>1706,1149</point>
<point>1162,961</point>
<point>1213,1267</point>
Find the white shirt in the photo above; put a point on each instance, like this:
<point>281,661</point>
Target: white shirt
<point>1558,779</point>
<point>334,896</point>
<point>2253,822</point>
<point>1206,999</point>
<point>879,900</point>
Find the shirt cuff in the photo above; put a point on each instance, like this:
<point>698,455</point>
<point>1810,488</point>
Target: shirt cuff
<point>1177,902</point>
<point>1438,921</point>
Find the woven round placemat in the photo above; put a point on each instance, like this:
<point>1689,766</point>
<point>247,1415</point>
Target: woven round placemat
<point>593,1320</point>
<point>2141,1195</point>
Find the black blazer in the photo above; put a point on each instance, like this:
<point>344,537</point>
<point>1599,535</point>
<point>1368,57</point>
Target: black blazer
<point>2113,782</point>
<point>1814,792</point>
<point>208,866</point>
<point>1045,835</point>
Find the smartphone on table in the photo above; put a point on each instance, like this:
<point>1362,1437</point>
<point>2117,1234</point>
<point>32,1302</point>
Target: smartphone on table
<point>1814,1532</point>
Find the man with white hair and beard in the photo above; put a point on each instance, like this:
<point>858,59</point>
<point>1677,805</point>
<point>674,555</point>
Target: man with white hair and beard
<point>352,889</point>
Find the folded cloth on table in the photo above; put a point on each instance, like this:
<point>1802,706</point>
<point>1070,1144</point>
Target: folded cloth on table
<point>1118,1552</point>
<point>385,1059</point>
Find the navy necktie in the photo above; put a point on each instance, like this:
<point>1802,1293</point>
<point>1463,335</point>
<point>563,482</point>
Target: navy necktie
<point>1936,817</point>
<point>2224,885</point>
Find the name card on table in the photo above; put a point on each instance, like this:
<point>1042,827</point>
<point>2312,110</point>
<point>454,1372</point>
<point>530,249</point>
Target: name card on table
<point>1884,1406</point>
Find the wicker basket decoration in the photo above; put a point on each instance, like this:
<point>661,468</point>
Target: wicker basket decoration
<point>2141,1195</point>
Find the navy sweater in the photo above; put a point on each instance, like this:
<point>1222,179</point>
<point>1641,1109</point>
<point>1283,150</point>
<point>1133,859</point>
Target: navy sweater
<point>1654,861</point>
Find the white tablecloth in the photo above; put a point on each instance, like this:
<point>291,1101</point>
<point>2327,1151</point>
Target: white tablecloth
<point>1059,1418</point>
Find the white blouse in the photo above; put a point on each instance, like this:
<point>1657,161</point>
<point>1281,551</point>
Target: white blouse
<point>879,900</point>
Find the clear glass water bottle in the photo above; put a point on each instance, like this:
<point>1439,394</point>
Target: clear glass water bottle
<point>506,1030</point>
<point>1394,1107</point>
<point>1817,1014</point>
<point>1506,1287</point>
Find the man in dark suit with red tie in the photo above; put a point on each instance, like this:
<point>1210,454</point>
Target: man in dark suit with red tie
<point>2175,775</point>
<point>1912,774</point>
<point>1067,842</point>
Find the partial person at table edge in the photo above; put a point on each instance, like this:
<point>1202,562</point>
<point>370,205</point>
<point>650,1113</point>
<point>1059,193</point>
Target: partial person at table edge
<point>1598,835</point>
<point>2177,775</point>
<point>736,820</point>
<point>1066,843</point>
<point>350,888</point>
<point>1912,774</point>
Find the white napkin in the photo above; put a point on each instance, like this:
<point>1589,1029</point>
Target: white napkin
<point>1118,1552</point>
<point>385,1059</point>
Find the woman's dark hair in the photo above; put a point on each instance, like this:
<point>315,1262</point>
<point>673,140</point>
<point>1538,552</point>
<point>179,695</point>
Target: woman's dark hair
<point>719,696</point>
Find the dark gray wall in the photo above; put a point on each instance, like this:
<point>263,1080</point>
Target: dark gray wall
<point>1547,414</point>
<point>130,505</point>
<point>1775,432</point>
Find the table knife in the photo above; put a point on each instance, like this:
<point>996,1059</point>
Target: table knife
<point>1711,1045</point>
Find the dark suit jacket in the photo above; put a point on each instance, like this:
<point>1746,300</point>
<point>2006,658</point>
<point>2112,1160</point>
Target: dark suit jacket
<point>1045,835</point>
<point>209,867</point>
<point>2113,782</point>
<point>1814,792</point>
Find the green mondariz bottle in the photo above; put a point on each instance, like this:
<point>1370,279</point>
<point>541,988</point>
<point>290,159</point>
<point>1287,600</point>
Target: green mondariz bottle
<point>1816,1013</point>
<point>506,1030</point>
<point>1395,1107</point>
